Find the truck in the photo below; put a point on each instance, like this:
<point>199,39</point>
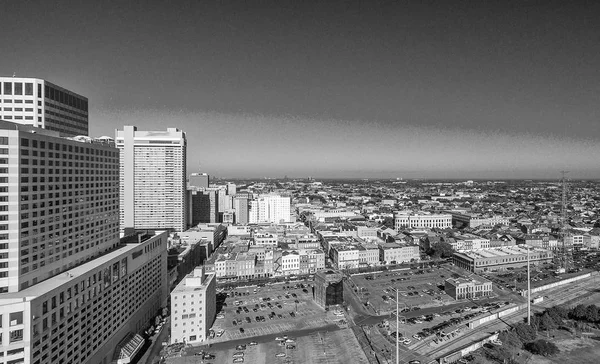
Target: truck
<point>537,299</point>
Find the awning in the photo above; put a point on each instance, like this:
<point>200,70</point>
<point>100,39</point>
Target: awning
<point>128,348</point>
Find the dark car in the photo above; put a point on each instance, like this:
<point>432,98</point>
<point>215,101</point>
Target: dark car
<point>242,330</point>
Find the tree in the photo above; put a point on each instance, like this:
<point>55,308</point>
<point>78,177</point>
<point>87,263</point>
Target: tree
<point>558,314</point>
<point>525,332</point>
<point>441,250</point>
<point>542,347</point>
<point>578,312</point>
<point>511,339</point>
<point>591,314</point>
<point>547,323</point>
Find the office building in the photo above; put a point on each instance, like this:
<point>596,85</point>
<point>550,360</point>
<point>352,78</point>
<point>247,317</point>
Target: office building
<point>240,205</point>
<point>272,209</point>
<point>405,219</point>
<point>398,252</point>
<point>199,180</point>
<point>42,104</point>
<point>153,178</point>
<point>84,314</point>
<point>231,189</point>
<point>329,288</point>
<point>468,288</point>
<point>498,259</point>
<point>193,307</point>
<point>58,203</point>
<point>203,206</point>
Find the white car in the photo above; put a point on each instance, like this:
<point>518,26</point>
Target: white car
<point>280,355</point>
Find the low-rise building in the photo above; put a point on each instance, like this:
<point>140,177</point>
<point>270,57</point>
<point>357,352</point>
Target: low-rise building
<point>193,307</point>
<point>407,219</point>
<point>396,253</point>
<point>496,259</point>
<point>468,288</point>
<point>329,288</point>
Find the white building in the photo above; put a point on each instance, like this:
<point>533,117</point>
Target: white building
<point>345,256</point>
<point>269,209</point>
<point>58,203</point>
<point>193,307</point>
<point>39,103</point>
<point>469,242</point>
<point>153,178</point>
<point>421,220</point>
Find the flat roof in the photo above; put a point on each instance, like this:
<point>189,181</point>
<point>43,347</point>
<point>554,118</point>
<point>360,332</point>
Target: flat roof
<point>504,251</point>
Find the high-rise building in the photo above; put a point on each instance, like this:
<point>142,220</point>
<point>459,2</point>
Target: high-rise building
<point>231,188</point>
<point>203,206</point>
<point>269,209</point>
<point>200,180</point>
<point>240,205</point>
<point>87,314</point>
<point>58,203</point>
<point>67,278</point>
<point>39,103</point>
<point>153,178</point>
<point>193,307</point>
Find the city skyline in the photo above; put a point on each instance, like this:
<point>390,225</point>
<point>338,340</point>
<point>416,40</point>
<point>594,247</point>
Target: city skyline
<point>435,90</point>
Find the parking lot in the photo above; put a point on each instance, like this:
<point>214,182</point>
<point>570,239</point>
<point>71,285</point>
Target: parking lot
<point>339,346</point>
<point>417,287</point>
<point>273,308</point>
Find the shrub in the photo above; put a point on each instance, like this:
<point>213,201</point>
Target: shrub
<point>542,347</point>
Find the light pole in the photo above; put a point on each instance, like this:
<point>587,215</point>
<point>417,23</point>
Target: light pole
<point>397,330</point>
<point>528,290</point>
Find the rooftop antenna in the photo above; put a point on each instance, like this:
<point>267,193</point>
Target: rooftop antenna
<point>14,74</point>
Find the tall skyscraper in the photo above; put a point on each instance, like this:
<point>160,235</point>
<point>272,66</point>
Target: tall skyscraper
<point>200,180</point>
<point>153,178</point>
<point>59,203</point>
<point>231,189</point>
<point>67,279</point>
<point>39,103</point>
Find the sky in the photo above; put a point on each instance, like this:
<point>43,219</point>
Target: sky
<point>407,89</point>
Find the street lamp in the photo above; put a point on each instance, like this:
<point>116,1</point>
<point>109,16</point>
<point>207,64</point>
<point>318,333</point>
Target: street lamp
<point>397,327</point>
<point>528,290</point>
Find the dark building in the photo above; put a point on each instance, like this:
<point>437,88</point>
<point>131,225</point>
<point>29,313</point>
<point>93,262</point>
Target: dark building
<point>329,288</point>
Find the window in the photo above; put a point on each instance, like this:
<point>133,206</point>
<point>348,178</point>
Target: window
<point>7,88</point>
<point>29,88</point>
<point>18,88</point>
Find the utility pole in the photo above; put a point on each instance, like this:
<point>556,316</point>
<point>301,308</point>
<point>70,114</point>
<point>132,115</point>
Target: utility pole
<point>528,290</point>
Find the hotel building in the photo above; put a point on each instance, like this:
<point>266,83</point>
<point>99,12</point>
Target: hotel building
<point>86,314</point>
<point>152,178</point>
<point>39,103</point>
<point>58,203</point>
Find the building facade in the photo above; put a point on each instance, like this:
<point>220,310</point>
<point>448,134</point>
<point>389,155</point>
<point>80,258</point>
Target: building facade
<point>468,288</point>
<point>269,209</point>
<point>498,259</point>
<point>328,288</point>
<point>152,178</point>
<point>82,315</point>
<point>418,220</point>
<point>58,204</point>
<point>193,307</point>
<point>42,104</point>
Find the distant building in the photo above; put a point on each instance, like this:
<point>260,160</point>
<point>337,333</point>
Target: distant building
<point>42,104</point>
<point>270,209</point>
<point>396,253</point>
<point>193,307</point>
<point>199,180</point>
<point>465,219</point>
<point>153,174</point>
<point>203,206</point>
<point>420,220</point>
<point>329,288</point>
<point>240,205</point>
<point>468,288</point>
<point>497,259</point>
